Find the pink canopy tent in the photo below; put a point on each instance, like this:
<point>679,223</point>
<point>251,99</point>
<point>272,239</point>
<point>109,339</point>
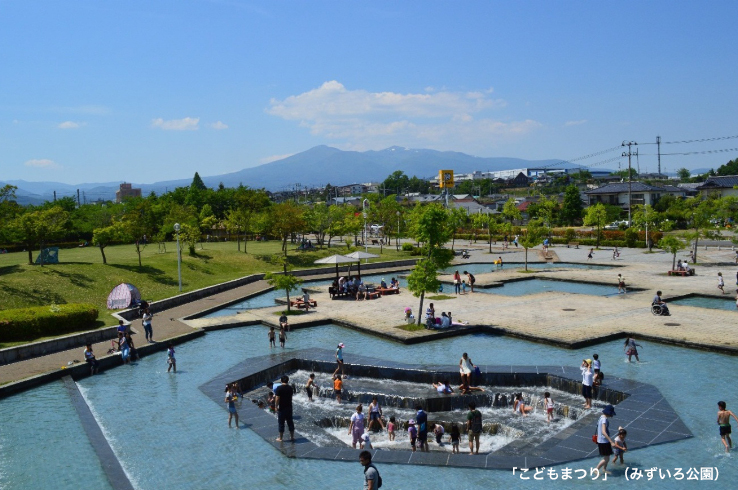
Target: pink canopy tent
<point>122,296</point>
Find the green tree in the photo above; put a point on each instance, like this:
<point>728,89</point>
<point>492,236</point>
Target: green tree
<point>683,174</point>
<point>571,209</point>
<point>431,227</point>
<point>730,168</point>
<point>284,280</point>
<point>511,212</point>
<point>396,182</point>
<point>532,237</point>
<point>458,218</point>
<point>37,227</point>
<point>139,221</point>
<point>698,215</point>
<point>8,209</point>
<point>672,245</point>
<point>285,220</point>
<point>596,216</point>
<point>197,183</point>
<point>190,234</point>
<point>624,173</point>
<point>102,237</point>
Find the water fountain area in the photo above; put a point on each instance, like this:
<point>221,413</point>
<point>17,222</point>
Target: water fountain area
<point>701,301</point>
<point>509,440</point>
<point>485,267</point>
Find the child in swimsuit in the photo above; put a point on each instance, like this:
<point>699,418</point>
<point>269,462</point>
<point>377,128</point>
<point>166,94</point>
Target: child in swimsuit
<point>455,437</point>
<point>548,402</point>
<point>723,420</point>
<point>391,429</point>
<point>309,386</point>
<point>272,337</point>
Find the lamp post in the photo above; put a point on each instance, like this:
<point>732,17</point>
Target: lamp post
<point>179,257</point>
<point>398,231</point>
<point>365,204</point>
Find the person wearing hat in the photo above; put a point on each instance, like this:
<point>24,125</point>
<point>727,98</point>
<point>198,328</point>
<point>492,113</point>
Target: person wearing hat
<point>339,360</point>
<point>412,432</point>
<point>604,442</point>
<point>587,382</point>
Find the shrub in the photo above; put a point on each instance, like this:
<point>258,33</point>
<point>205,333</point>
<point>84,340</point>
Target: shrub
<point>631,236</point>
<point>569,235</point>
<point>45,321</point>
<point>407,247</point>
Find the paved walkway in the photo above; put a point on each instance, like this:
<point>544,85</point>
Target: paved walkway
<point>559,318</point>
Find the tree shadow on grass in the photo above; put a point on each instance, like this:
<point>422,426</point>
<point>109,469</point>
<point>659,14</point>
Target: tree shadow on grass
<point>10,269</point>
<point>79,280</point>
<point>156,275</point>
<point>34,296</point>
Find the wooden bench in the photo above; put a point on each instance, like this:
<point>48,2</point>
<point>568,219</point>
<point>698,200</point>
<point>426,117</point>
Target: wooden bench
<point>384,291</point>
<point>300,304</point>
<point>572,245</point>
<point>682,273</point>
<point>335,293</point>
<point>372,295</point>
<point>375,242</point>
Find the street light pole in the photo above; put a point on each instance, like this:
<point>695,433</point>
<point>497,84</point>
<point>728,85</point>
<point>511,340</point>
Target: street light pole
<point>629,144</point>
<point>366,235</point>
<point>398,232</point>
<point>179,257</point>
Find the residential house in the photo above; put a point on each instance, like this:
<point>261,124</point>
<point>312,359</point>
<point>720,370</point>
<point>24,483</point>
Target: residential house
<point>617,194</point>
<point>726,185</point>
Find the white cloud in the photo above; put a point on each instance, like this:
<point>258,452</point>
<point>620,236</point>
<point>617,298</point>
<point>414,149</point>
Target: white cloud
<point>436,118</point>
<point>274,158</point>
<point>42,163</point>
<point>69,125</point>
<point>575,123</point>
<point>185,124</point>
<point>219,125</point>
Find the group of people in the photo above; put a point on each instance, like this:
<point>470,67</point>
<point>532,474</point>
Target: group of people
<point>433,321</point>
<point>357,288</point>
<point>461,285</point>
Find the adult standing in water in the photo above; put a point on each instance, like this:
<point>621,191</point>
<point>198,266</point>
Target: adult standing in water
<point>339,360</point>
<point>587,382</point>
<point>457,282</point>
<point>630,347</point>
<point>283,404</point>
<point>470,279</point>
<point>466,366</point>
<point>604,442</point>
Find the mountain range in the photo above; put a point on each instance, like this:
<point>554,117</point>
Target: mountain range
<point>315,167</point>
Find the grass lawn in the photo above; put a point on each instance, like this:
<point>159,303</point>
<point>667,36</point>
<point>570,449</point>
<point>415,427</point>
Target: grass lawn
<point>81,276</point>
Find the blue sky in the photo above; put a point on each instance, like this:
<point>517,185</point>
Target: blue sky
<point>146,91</point>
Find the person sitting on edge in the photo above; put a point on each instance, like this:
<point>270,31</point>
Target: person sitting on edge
<point>445,321</point>
<point>284,323</point>
<point>361,292</point>
<point>342,284</point>
<point>383,284</point>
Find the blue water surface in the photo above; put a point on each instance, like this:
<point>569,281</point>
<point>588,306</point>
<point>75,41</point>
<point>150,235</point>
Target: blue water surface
<point>534,286</point>
<point>727,303</point>
<point>167,434</point>
<point>483,268</point>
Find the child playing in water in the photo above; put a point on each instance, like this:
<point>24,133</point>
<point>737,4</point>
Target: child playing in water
<point>391,429</point>
<point>723,420</point>
<point>549,404</point>
<point>309,386</point>
<point>463,287</point>
<point>455,437</point>
<point>620,441</point>
<point>520,406</point>
<point>272,337</point>
<point>230,400</point>
<point>282,337</point>
<point>170,358</point>
<point>412,432</point>
<point>337,387</point>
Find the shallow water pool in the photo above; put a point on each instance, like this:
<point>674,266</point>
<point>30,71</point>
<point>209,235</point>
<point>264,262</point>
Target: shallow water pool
<point>168,434</point>
<point>483,268</point>
<point>727,303</point>
<point>534,286</point>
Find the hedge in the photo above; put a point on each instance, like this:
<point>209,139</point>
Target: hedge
<point>45,321</point>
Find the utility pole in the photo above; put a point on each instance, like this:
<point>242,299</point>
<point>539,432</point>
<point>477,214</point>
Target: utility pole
<point>658,146</point>
<point>629,144</point>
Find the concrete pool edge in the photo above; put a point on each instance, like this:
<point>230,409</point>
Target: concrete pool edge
<point>639,402</point>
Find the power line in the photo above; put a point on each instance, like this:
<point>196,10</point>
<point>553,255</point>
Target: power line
<point>697,152</point>
<point>703,140</point>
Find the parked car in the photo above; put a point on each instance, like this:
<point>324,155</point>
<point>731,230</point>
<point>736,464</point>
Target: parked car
<point>613,226</point>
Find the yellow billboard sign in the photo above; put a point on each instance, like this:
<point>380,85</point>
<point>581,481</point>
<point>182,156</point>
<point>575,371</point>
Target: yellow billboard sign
<point>445,179</point>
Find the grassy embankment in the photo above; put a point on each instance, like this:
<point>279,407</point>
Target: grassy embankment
<point>81,276</point>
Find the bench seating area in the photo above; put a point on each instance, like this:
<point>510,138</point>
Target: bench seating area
<point>337,293</point>
<point>682,273</point>
<point>384,291</point>
<point>572,245</point>
<point>300,304</point>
